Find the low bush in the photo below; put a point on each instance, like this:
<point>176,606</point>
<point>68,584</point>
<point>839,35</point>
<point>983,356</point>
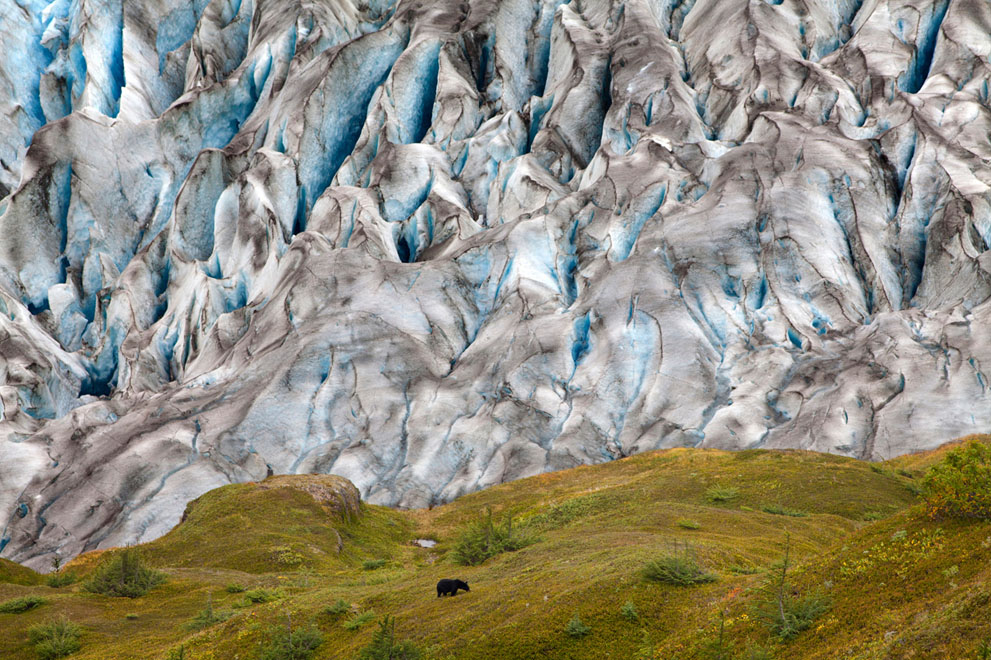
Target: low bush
<point>483,539</point>
<point>22,604</point>
<point>779,510</point>
<point>576,628</point>
<point>57,638</point>
<point>677,567</point>
<point>744,569</point>
<point>257,596</point>
<point>959,486</point>
<point>373,564</point>
<point>123,574</point>
<point>287,557</point>
<point>629,611</point>
<point>568,511</point>
<point>236,588</point>
<point>688,524</point>
<point>385,646</point>
<point>721,494</point>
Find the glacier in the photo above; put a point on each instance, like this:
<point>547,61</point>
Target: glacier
<point>435,246</point>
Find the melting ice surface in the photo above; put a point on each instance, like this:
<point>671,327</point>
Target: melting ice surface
<point>433,246</point>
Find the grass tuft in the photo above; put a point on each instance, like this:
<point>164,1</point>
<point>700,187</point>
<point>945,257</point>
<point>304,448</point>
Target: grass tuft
<point>721,494</point>
<point>358,620</point>
<point>744,569</point>
<point>778,510</point>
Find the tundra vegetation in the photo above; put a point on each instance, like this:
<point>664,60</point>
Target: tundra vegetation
<point>888,560</point>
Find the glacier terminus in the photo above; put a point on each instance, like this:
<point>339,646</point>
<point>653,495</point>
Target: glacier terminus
<point>434,245</point>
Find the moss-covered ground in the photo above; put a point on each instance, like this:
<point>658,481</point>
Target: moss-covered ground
<point>901,586</point>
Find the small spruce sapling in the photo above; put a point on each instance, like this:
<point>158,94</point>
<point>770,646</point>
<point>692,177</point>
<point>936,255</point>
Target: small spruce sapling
<point>719,648</point>
<point>784,614</point>
<point>291,643</point>
<point>576,628</point>
<point>385,646</point>
<point>57,578</point>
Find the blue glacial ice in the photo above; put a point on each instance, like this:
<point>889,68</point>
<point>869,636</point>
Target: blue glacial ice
<point>434,246</point>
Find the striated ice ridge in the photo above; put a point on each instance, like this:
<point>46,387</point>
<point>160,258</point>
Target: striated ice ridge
<point>433,246</point>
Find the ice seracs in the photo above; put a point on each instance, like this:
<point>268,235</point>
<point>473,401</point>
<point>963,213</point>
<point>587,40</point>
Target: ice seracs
<point>432,246</point>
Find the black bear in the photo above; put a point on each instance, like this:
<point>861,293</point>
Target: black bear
<point>451,587</point>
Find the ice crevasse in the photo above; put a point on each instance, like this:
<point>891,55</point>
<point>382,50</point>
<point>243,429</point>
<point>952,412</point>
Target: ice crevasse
<point>434,246</point>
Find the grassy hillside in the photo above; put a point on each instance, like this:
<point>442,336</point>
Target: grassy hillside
<point>899,585</point>
<point>12,573</point>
